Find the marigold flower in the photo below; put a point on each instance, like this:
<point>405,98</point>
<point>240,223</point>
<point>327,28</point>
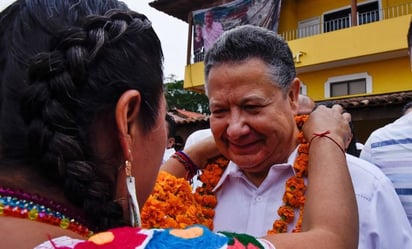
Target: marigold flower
<point>279,226</point>
<point>286,213</point>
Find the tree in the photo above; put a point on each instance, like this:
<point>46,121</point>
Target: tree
<point>180,98</point>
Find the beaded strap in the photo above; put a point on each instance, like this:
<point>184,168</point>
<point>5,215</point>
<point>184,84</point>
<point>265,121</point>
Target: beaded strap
<point>190,167</point>
<point>19,204</point>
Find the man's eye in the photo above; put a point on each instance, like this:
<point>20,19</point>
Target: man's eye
<point>252,107</point>
<point>217,111</point>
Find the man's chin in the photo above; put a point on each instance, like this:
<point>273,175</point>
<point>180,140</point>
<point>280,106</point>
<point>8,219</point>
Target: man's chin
<point>244,161</point>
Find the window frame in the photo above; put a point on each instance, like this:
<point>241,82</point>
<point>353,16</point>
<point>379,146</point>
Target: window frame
<point>347,78</point>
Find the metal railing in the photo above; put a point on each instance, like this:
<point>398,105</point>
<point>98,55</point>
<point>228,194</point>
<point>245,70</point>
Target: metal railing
<point>345,22</point>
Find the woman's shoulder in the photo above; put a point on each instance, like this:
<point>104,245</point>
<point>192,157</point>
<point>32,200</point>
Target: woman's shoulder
<point>25,233</point>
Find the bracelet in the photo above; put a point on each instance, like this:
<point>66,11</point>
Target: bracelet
<point>325,134</point>
<point>190,167</point>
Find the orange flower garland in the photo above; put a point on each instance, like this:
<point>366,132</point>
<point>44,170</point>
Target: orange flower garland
<point>172,204</point>
<point>294,197</point>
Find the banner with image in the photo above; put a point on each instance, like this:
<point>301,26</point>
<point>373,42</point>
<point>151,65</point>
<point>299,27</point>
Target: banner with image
<point>210,23</point>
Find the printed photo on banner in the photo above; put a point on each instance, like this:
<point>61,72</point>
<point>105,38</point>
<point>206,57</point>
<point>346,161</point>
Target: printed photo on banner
<point>210,23</point>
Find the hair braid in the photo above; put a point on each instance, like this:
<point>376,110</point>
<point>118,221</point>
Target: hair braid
<point>57,81</point>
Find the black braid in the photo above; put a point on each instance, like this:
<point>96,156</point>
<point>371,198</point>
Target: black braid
<point>56,143</point>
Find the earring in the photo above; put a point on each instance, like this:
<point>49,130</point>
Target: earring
<point>131,189</point>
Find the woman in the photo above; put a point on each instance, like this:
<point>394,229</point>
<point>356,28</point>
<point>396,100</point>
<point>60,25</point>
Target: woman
<point>82,114</point>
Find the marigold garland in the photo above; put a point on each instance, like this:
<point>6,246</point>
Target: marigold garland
<point>173,204</point>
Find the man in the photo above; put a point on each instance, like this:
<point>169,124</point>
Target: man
<point>305,104</point>
<point>253,90</point>
<point>171,133</point>
<point>211,30</point>
<point>390,148</point>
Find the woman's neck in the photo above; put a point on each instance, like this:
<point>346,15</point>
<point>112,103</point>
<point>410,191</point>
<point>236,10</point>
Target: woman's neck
<point>27,180</point>
<point>24,194</point>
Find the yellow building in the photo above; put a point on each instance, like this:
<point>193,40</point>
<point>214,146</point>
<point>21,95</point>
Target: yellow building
<point>348,52</point>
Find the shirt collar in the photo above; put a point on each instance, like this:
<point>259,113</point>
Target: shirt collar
<point>233,170</point>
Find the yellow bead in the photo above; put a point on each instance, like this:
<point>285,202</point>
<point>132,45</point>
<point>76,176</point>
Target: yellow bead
<point>1,209</point>
<point>64,223</point>
<point>33,214</point>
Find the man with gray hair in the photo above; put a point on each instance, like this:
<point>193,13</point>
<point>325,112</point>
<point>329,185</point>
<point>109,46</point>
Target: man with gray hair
<point>253,91</point>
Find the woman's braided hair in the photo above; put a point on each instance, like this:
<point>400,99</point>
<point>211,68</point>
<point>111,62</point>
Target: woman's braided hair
<point>87,66</point>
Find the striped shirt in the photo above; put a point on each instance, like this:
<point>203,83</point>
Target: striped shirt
<point>390,148</point>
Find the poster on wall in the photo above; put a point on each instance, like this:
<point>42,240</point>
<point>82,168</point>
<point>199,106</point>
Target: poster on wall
<point>210,23</point>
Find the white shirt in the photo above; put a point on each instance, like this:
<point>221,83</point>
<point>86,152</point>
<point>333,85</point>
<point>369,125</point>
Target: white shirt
<point>245,208</point>
<point>390,148</point>
<point>168,153</point>
<point>211,34</point>
<point>197,135</point>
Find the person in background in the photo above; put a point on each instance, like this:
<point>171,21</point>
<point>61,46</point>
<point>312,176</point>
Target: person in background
<point>83,131</point>
<point>171,134</point>
<point>352,146</point>
<point>179,143</point>
<point>305,104</point>
<point>211,30</point>
<point>390,148</point>
<point>198,41</point>
<point>253,96</point>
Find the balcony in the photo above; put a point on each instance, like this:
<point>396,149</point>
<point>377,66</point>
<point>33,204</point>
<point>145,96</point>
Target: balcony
<point>345,22</point>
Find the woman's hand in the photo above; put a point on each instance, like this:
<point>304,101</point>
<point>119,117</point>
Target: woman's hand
<point>324,119</point>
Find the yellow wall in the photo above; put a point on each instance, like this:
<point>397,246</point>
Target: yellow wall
<point>194,76</point>
<point>369,39</point>
<point>386,76</point>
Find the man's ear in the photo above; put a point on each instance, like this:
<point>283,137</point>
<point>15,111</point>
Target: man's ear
<point>293,94</point>
<point>170,142</point>
<point>127,111</point>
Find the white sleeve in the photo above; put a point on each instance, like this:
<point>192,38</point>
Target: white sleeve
<point>387,224</point>
<point>266,244</point>
<point>197,136</point>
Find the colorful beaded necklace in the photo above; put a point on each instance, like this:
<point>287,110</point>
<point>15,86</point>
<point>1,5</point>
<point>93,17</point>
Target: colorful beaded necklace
<point>16,203</point>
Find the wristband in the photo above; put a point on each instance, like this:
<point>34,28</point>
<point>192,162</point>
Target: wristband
<point>190,167</point>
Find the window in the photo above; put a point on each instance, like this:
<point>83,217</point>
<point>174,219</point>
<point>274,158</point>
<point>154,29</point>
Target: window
<point>348,85</point>
<point>340,19</point>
